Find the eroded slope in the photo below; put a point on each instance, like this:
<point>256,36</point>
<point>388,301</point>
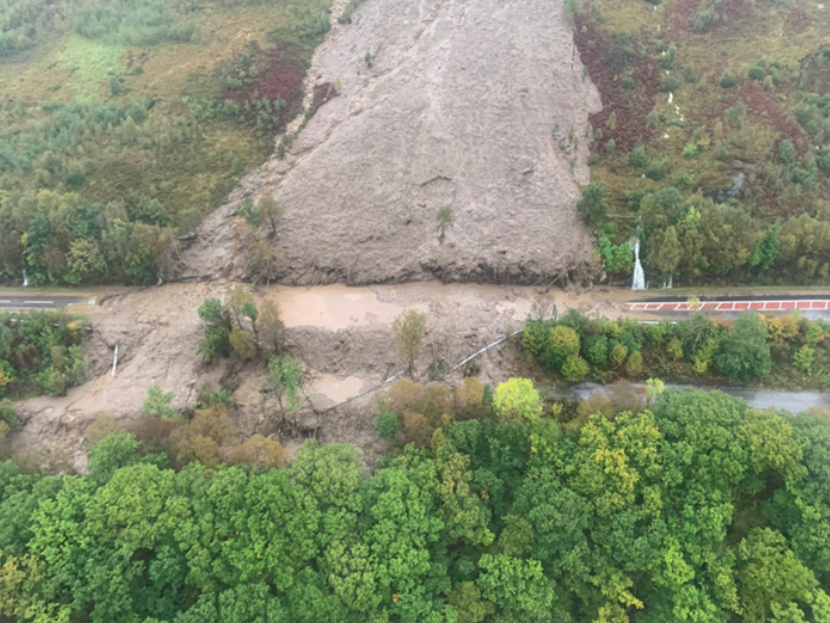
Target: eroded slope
<point>442,103</point>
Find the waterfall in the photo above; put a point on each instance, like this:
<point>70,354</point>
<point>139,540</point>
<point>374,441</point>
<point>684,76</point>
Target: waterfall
<point>639,282</point>
<point>25,279</point>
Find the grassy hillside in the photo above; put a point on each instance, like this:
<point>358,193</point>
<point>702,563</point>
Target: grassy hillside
<point>712,144</point>
<point>123,122</point>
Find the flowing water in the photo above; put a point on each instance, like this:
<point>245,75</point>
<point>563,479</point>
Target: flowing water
<point>791,401</point>
<point>639,282</point>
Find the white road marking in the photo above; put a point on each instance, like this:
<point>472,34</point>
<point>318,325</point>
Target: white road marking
<point>38,302</point>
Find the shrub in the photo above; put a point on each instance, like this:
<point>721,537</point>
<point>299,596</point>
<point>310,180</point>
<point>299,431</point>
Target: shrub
<point>517,398</point>
<point>628,83</point>
<point>804,357</point>
<point>727,80</point>
<point>658,169</point>
<point>575,369</point>
<point>744,354</point>
<point>535,337</point>
<point>387,424</point>
<point>689,75</point>
<point>611,147</point>
<point>618,355</point>
<point>637,158</point>
<point>597,351</point>
<point>757,73</point>
<point>786,151</point>
<point>669,84</point>
<point>8,414</point>
<point>634,365</point>
<point>564,341</point>
<point>592,207</point>
<point>690,150</point>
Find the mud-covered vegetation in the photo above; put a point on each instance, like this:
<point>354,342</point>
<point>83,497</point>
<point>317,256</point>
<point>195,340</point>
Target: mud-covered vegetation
<point>39,353</point>
<point>782,351</point>
<point>712,144</point>
<point>663,508</point>
<point>126,121</point>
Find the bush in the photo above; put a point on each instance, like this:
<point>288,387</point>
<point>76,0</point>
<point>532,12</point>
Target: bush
<point>744,354</point>
<point>628,83</point>
<point>517,398</point>
<point>597,351</point>
<point>8,414</point>
<point>618,355</point>
<point>658,169</point>
<point>690,150</point>
<point>757,73</point>
<point>387,424</point>
<point>634,365</point>
<point>637,158</point>
<point>592,207</point>
<point>575,369</point>
<point>669,84</point>
<point>804,358</point>
<point>727,80</point>
<point>786,151</point>
<point>689,75</point>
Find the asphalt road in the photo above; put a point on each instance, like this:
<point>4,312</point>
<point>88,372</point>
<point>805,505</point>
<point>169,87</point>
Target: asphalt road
<point>40,302</point>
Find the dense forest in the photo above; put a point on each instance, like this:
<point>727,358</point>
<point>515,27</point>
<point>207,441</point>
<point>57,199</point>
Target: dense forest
<point>111,147</point>
<point>39,353</point>
<point>672,507</point>
<point>712,143</point>
<point>781,350</point>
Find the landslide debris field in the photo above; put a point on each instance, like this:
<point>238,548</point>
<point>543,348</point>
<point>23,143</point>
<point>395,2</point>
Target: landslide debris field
<point>343,335</point>
<point>433,103</point>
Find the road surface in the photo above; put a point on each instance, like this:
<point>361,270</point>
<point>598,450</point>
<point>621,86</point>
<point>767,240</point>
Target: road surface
<point>812,306</point>
<point>40,302</point>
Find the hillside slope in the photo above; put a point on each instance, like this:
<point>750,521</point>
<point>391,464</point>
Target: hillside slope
<point>441,103</point>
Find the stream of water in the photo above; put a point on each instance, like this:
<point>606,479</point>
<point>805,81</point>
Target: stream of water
<point>792,401</point>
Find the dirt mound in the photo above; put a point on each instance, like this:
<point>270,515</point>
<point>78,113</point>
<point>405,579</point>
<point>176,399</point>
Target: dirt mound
<point>441,103</point>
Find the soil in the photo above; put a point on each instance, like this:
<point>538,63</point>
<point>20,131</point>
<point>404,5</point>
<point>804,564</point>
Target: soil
<point>343,335</point>
<point>450,111</point>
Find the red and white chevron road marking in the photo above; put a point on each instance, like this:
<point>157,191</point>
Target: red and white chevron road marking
<point>716,306</point>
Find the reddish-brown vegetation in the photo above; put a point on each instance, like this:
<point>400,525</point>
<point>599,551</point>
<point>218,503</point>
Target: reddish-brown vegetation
<point>629,106</point>
<point>681,14</point>
<point>279,77</point>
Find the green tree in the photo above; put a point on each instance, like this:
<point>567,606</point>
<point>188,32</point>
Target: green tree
<point>744,353</point>
<point>517,398</point>
<point>408,329</point>
<point>664,251</point>
<point>592,207</point>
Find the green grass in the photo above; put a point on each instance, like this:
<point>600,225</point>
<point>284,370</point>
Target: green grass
<point>90,63</point>
<point>183,152</point>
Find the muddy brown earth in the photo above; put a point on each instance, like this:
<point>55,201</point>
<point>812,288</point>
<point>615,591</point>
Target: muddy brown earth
<point>441,103</point>
<point>342,334</point>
